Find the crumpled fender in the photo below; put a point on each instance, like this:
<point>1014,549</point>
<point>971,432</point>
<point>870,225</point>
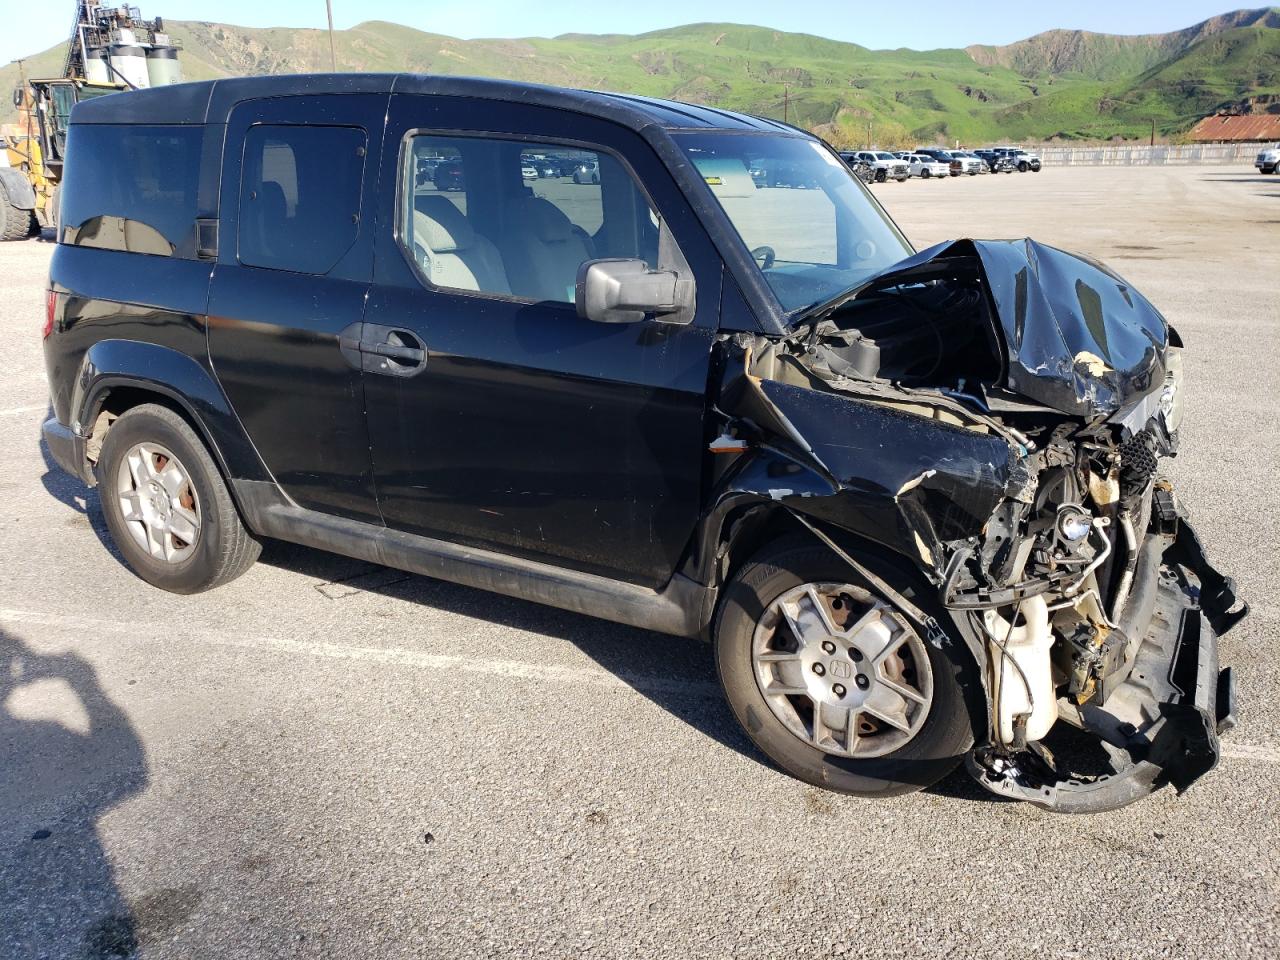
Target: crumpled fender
<point>1078,338</point>
<point>902,481</point>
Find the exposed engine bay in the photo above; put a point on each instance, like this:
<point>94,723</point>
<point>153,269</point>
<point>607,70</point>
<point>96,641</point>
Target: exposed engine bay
<point>998,412</point>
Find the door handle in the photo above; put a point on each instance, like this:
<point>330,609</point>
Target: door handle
<point>400,352</point>
<point>390,351</point>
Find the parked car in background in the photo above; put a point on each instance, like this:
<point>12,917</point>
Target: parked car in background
<point>943,156</point>
<point>528,171</point>
<point>970,163</point>
<point>1023,160</point>
<point>885,164</point>
<point>926,167</point>
<point>773,172</point>
<point>448,175</point>
<point>588,171</point>
<point>426,169</point>
<point>864,170</point>
<point>996,162</point>
<point>1268,160</point>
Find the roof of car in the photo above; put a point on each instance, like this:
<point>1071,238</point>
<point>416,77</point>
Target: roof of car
<point>211,101</point>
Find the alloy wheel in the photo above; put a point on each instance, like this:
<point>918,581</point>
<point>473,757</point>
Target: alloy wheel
<point>842,670</point>
<point>158,502</point>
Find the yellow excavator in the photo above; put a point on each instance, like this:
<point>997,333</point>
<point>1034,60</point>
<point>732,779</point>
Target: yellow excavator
<point>111,49</point>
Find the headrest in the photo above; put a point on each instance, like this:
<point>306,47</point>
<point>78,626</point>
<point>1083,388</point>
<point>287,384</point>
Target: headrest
<point>273,202</point>
<point>546,220</point>
<point>440,226</point>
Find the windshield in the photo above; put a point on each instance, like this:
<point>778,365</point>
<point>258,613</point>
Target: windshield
<point>810,224</point>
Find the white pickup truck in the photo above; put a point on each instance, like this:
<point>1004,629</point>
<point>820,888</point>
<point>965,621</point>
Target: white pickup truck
<point>886,165</point>
<point>1268,160</point>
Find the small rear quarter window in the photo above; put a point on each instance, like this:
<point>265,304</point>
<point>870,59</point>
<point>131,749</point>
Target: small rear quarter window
<point>131,188</point>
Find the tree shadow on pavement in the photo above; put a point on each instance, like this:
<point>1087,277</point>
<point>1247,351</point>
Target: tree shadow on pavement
<point>61,898</point>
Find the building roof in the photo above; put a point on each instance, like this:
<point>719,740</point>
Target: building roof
<point>1252,127</point>
<point>211,101</point>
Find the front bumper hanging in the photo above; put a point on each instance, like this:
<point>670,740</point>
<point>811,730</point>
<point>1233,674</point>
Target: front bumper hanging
<point>1162,723</point>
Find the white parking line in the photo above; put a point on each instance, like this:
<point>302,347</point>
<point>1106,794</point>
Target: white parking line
<point>32,408</point>
<point>1250,751</point>
<point>595,676</point>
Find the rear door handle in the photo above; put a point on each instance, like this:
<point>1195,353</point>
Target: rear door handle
<point>389,351</point>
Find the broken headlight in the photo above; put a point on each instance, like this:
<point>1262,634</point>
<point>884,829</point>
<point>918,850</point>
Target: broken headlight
<point>1171,398</point>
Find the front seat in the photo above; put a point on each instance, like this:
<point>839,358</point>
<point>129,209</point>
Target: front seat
<point>449,250</point>
<point>543,251</point>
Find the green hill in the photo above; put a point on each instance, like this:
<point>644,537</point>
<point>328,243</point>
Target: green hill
<point>1092,86</point>
<point>1222,69</point>
<point>1103,56</point>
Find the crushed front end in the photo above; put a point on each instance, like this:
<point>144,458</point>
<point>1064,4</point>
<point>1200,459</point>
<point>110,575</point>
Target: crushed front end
<point>1100,610</point>
<point>998,412</point>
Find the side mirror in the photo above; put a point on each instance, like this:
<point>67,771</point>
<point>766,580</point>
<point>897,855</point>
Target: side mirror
<point>627,291</point>
<point>17,97</point>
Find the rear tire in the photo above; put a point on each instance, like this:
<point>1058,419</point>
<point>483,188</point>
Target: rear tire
<point>937,740</point>
<point>166,505</point>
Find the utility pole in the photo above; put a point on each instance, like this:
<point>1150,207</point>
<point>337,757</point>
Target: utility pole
<point>333,56</point>
<point>786,103</point>
<point>1153,131</point>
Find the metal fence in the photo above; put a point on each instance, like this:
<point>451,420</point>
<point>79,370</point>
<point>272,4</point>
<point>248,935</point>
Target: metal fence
<point>1145,156</point>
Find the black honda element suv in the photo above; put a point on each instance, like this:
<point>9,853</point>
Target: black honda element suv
<point>914,499</point>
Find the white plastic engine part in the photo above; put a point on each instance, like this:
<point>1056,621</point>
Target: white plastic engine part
<point>1027,646</point>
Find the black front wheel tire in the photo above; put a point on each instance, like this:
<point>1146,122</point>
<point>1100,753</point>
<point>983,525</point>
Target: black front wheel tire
<point>933,751</point>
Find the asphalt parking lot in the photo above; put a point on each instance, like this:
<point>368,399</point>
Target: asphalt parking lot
<point>330,759</point>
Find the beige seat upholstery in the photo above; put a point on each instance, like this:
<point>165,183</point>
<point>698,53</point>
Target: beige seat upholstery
<point>542,250</point>
<point>449,250</point>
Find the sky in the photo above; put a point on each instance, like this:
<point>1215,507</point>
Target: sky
<point>872,24</point>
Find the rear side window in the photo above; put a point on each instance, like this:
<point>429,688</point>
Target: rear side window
<point>300,196</point>
<point>132,188</point>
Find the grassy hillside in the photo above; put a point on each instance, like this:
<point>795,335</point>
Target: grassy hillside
<point>1101,56</point>
<point>844,91</point>
<point>1221,69</point>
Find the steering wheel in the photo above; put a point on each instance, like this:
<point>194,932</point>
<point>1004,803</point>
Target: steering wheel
<point>765,255</point>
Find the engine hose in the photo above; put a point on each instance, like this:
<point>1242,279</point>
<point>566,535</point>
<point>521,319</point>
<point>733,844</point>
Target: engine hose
<point>1126,578</point>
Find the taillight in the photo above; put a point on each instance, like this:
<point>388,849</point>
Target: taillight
<point>51,305</point>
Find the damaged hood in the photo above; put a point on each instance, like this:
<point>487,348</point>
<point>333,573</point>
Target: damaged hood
<point>1077,337</point>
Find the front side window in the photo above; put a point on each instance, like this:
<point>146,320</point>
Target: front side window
<point>811,227</point>
<point>517,219</point>
<point>132,188</point>
<point>300,196</point>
